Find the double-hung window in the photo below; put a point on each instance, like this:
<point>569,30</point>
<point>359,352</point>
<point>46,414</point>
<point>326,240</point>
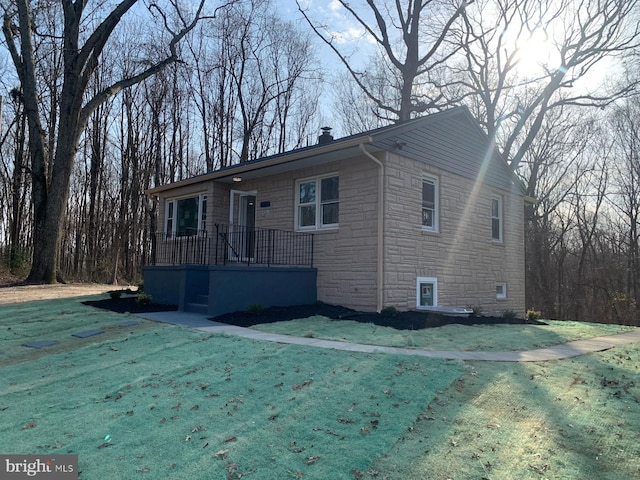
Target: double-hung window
<point>185,216</point>
<point>317,203</point>
<point>430,204</point>
<point>496,219</point>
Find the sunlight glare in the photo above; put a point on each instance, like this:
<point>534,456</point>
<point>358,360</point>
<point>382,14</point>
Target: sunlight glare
<point>536,54</point>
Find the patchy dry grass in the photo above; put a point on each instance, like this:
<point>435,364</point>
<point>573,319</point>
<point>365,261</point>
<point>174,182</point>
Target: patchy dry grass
<point>570,419</point>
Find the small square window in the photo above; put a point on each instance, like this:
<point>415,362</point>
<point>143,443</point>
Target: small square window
<point>501,291</point>
<point>426,292</point>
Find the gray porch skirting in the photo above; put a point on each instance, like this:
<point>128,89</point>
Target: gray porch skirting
<point>219,289</point>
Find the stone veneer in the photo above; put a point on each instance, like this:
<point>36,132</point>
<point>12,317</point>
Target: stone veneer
<point>461,255</point>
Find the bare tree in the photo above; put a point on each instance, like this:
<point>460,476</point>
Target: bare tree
<point>625,199</point>
<point>51,168</point>
<point>13,174</point>
<point>356,111</point>
<point>411,39</point>
<point>203,60</point>
<point>558,158</point>
<point>579,37</point>
<point>267,59</point>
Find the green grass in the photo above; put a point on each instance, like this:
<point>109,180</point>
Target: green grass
<point>449,337</point>
<point>159,401</point>
<point>57,320</point>
<point>168,402</point>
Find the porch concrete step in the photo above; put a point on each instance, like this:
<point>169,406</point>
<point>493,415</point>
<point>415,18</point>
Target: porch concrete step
<point>202,299</point>
<point>197,308</point>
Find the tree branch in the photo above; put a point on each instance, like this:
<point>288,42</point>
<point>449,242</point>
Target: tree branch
<point>116,87</point>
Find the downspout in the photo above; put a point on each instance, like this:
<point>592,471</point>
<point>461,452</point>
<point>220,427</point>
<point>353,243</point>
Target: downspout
<point>380,266</point>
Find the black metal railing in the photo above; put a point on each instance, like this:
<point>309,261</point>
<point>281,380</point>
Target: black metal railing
<point>191,247</point>
<point>233,244</point>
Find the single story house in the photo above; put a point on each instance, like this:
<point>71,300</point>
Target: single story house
<point>424,214</point>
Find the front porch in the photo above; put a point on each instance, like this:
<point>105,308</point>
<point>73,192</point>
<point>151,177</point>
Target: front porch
<point>232,269</point>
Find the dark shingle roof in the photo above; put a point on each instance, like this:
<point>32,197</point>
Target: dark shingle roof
<point>450,140</point>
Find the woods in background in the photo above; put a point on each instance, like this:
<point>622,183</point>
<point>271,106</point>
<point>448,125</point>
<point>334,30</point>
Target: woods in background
<point>553,82</point>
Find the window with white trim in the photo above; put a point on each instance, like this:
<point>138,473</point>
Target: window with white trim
<point>317,203</point>
<point>185,216</point>
<point>501,291</point>
<point>496,219</point>
<point>426,292</point>
<point>430,204</point>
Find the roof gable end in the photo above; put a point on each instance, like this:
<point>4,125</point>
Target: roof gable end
<point>452,141</point>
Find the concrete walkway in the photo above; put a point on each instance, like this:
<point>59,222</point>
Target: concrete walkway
<point>557,352</point>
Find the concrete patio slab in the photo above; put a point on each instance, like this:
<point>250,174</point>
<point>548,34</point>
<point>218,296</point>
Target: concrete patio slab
<point>87,333</point>
<point>40,344</point>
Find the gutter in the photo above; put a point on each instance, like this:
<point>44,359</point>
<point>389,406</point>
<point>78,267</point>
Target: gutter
<point>380,260</point>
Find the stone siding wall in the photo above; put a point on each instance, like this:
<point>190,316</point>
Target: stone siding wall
<point>461,254</point>
<point>344,256</point>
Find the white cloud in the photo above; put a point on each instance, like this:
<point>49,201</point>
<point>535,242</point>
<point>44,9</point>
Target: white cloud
<point>335,6</point>
<point>351,33</point>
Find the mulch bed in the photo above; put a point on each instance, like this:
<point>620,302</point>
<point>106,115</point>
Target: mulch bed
<point>410,320</point>
<point>128,304</point>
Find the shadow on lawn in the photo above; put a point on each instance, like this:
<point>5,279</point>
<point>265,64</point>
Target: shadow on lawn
<point>574,418</point>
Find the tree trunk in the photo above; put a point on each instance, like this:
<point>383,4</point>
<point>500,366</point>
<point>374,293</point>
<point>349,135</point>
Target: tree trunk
<point>49,209</point>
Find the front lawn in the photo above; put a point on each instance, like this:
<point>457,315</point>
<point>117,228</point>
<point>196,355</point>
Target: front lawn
<point>159,401</point>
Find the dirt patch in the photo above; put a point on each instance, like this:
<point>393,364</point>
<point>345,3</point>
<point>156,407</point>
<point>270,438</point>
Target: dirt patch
<point>410,320</point>
<point>18,293</point>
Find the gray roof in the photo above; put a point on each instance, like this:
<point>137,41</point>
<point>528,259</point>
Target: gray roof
<point>450,140</point>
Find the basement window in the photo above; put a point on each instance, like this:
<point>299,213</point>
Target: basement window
<point>426,292</point>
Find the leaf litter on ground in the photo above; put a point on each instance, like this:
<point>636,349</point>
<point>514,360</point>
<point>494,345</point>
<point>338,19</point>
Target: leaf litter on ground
<point>563,419</point>
<point>361,415</point>
<point>138,389</point>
